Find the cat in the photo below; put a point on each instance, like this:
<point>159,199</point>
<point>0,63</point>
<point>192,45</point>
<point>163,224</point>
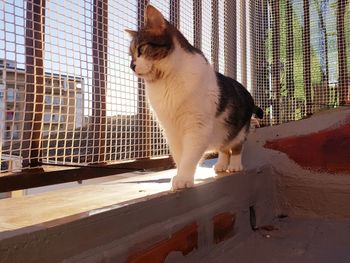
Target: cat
<point>199,109</point>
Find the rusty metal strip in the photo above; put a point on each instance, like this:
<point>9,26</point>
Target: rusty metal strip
<point>230,36</point>
<point>143,134</point>
<point>289,61</point>
<point>253,36</point>
<point>36,178</point>
<point>175,13</point>
<point>344,80</point>
<point>243,42</point>
<point>99,53</point>
<point>215,34</point>
<point>307,57</point>
<point>34,88</point>
<point>275,67</point>
<point>197,23</point>
<point>263,67</point>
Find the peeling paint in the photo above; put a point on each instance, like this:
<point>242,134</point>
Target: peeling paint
<point>223,226</point>
<point>185,241</point>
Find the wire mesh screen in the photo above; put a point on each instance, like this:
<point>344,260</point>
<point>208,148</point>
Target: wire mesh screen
<point>68,96</point>
<point>301,57</point>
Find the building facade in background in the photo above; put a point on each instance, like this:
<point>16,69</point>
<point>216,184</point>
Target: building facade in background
<point>63,102</point>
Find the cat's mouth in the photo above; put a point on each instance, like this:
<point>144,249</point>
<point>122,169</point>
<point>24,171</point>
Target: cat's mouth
<point>152,74</point>
<point>143,74</point>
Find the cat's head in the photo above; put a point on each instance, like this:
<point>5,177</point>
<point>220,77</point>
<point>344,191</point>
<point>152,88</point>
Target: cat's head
<point>151,44</point>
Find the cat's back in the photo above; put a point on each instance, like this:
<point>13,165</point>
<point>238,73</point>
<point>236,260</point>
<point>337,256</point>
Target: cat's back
<point>231,91</point>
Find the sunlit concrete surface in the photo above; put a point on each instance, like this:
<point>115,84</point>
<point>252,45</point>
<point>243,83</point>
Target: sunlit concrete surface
<point>81,201</point>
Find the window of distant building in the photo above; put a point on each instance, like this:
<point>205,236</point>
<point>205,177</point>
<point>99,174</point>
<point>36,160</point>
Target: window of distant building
<point>10,93</point>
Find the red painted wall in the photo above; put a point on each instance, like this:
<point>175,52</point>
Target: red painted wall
<point>325,151</point>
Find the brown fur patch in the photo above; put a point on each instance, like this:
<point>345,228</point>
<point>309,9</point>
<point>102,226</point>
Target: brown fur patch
<point>156,41</point>
<point>154,20</point>
<point>151,46</point>
<point>158,74</point>
<point>155,74</point>
<point>158,46</point>
<point>237,149</point>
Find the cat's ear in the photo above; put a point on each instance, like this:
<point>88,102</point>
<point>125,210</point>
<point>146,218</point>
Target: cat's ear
<point>154,20</point>
<point>130,32</point>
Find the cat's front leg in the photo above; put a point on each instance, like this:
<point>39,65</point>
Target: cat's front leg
<point>223,162</point>
<point>236,158</point>
<point>193,149</point>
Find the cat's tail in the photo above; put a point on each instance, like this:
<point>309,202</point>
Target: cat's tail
<point>258,112</point>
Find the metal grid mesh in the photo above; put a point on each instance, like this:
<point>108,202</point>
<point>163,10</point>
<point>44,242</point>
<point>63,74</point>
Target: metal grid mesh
<point>67,94</point>
<point>301,51</point>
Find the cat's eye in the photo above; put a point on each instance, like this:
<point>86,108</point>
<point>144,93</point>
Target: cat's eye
<point>141,49</point>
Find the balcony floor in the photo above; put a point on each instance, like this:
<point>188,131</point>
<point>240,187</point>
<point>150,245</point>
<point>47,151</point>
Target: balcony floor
<point>293,240</point>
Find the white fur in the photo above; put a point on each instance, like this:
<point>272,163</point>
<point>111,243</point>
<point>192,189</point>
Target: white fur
<point>222,163</point>
<point>235,163</point>
<point>143,66</point>
<point>185,102</point>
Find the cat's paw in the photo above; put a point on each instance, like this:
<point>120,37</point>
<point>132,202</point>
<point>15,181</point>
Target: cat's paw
<point>181,182</point>
<point>235,163</point>
<point>220,167</point>
<point>235,167</point>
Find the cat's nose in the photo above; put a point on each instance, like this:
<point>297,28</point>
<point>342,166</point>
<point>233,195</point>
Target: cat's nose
<point>132,65</point>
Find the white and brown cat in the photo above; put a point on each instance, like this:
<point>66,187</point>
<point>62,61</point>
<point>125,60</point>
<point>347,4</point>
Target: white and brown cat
<point>199,109</point>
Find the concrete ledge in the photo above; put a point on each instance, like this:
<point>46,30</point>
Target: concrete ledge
<point>136,218</point>
<point>319,187</point>
<point>120,233</point>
